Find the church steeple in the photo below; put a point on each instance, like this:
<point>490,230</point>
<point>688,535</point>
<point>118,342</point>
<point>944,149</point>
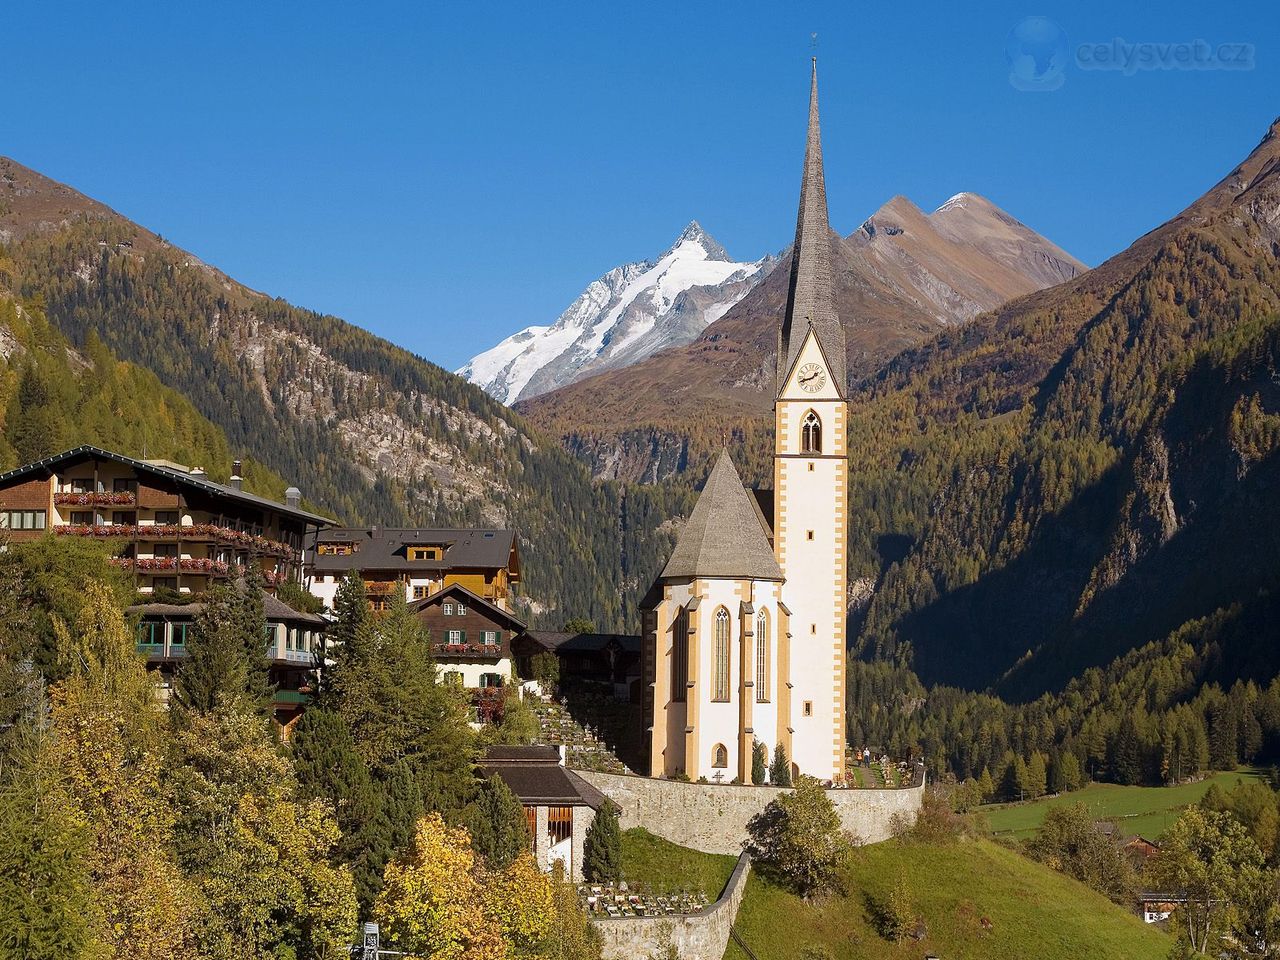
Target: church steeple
<point>810,298</point>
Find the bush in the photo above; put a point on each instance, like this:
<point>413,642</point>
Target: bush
<point>546,670</point>
<point>798,840</point>
<point>1070,841</point>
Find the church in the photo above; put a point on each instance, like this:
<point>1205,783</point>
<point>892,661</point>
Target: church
<point>744,629</point>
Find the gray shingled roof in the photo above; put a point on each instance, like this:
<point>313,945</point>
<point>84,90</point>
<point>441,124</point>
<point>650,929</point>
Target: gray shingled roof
<point>810,298</point>
<point>723,536</point>
<point>272,607</point>
<point>383,548</point>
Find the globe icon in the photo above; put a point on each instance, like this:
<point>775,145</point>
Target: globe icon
<point>1037,53</point>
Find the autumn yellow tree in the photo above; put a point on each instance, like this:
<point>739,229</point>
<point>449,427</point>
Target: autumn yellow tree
<point>259,855</point>
<point>431,905</point>
<point>109,746</point>
<point>441,902</point>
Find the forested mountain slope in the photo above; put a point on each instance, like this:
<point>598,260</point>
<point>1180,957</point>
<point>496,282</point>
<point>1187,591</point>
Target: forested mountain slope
<point>1084,470</point>
<point>370,432</point>
<point>53,397</point>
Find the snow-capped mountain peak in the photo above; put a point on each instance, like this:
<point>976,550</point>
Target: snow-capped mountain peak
<point>631,312</point>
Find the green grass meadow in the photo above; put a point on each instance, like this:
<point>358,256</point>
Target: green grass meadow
<point>1146,811</point>
<point>664,868</point>
<point>978,901</point>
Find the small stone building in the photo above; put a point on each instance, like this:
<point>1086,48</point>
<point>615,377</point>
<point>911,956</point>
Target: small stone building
<point>560,805</point>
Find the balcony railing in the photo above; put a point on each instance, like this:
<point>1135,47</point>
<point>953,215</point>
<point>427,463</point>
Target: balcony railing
<point>215,568</point>
<point>119,498</point>
<point>173,531</point>
<point>485,649</point>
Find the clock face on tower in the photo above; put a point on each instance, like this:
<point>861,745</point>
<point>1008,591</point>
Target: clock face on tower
<point>811,378</point>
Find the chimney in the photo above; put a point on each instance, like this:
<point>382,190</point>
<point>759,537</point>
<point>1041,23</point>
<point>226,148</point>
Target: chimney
<point>293,498</point>
<point>237,481</point>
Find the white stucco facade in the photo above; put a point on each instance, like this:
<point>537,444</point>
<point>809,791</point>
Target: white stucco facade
<point>810,537</point>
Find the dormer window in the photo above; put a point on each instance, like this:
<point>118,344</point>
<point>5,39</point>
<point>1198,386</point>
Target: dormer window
<point>425,553</point>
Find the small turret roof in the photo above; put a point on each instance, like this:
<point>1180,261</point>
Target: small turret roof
<point>723,537</point>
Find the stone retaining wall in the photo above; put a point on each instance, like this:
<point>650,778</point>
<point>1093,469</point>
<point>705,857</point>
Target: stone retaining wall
<point>713,818</point>
<point>699,936</point>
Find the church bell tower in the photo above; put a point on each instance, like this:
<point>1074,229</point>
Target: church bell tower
<point>811,479</point>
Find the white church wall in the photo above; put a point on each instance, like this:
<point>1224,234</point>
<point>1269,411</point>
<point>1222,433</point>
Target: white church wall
<point>810,534</point>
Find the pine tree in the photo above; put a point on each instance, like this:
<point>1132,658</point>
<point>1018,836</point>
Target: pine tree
<point>1036,775</point>
<point>986,786</point>
<point>329,768</point>
<point>780,769</point>
<point>226,653</point>
<point>602,851</point>
<point>497,823</point>
<point>347,640</point>
<point>1069,772</point>
<point>397,711</point>
<point>759,767</point>
<point>1223,737</point>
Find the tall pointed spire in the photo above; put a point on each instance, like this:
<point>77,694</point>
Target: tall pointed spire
<point>810,298</point>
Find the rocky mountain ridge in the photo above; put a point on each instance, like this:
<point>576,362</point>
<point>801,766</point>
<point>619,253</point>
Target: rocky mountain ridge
<point>630,313</point>
<point>902,277</point>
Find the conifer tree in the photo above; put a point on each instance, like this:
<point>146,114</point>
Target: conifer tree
<point>602,851</point>
<point>329,768</point>
<point>1036,775</point>
<point>226,653</point>
<point>497,823</point>
<point>759,769</point>
<point>397,710</point>
<point>780,769</point>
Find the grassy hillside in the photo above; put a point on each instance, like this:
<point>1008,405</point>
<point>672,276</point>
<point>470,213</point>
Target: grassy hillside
<point>664,867</point>
<point>1147,811</point>
<point>978,900</point>
<point>1033,911</point>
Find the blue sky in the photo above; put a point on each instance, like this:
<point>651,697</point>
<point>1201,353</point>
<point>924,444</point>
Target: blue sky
<point>446,174</point>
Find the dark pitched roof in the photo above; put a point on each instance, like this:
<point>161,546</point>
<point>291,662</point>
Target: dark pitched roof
<point>194,481</point>
<point>541,782</point>
<point>518,753</point>
<point>558,642</point>
<point>383,548</point>
<point>491,609</point>
<point>810,300</point>
<point>723,536</point>
<point>273,608</point>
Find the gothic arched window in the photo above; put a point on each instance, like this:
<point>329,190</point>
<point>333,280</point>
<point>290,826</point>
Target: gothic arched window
<point>680,656</point>
<point>762,657</point>
<point>720,756</point>
<point>811,433</point>
<point>721,691</point>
